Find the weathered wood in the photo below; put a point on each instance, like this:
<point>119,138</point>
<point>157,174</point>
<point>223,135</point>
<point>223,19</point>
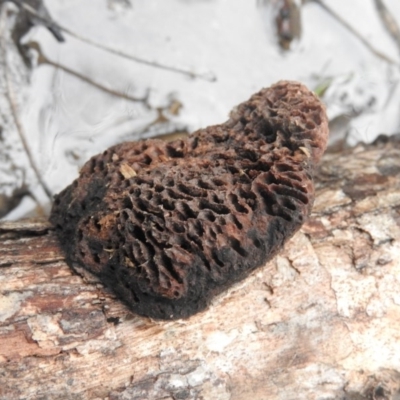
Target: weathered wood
<point>321,321</point>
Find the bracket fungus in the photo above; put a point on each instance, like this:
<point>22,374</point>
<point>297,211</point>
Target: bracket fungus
<point>169,225</point>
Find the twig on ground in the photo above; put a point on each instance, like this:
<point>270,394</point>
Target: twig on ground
<point>42,59</point>
<point>371,48</point>
<point>388,21</point>
<point>209,76</point>
<point>13,104</point>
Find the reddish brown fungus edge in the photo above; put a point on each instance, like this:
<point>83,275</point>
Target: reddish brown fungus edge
<point>169,225</point>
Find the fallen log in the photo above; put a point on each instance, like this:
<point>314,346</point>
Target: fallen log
<point>321,320</point>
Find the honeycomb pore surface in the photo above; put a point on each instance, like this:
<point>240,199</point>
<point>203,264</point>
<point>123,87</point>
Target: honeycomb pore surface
<point>169,225</point>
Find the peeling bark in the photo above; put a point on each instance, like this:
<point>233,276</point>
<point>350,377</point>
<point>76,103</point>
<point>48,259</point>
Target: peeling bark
<point>321,320</point>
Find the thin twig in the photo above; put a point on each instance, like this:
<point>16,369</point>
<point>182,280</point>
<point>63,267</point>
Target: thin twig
<point>209,76</point>
<point>44,60</point>
<point>388,21</point>
<point>372,49</point>
<point>14,109</point>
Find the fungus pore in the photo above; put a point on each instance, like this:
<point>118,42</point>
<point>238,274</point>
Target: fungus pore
<point>169,225</point>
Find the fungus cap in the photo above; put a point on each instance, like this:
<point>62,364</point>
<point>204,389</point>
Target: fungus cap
<point>169,225</point>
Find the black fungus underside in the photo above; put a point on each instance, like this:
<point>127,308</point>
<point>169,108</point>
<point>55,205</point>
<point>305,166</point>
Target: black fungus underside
<point>169,225</point>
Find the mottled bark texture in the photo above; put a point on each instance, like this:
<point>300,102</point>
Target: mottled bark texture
<point>170,225</point>
<point>320,321</point>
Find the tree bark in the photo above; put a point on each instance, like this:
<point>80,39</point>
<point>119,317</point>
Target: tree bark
<point>320,321</point>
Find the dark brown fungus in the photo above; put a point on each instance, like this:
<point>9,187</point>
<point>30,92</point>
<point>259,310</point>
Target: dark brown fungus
<point>169,225</point>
